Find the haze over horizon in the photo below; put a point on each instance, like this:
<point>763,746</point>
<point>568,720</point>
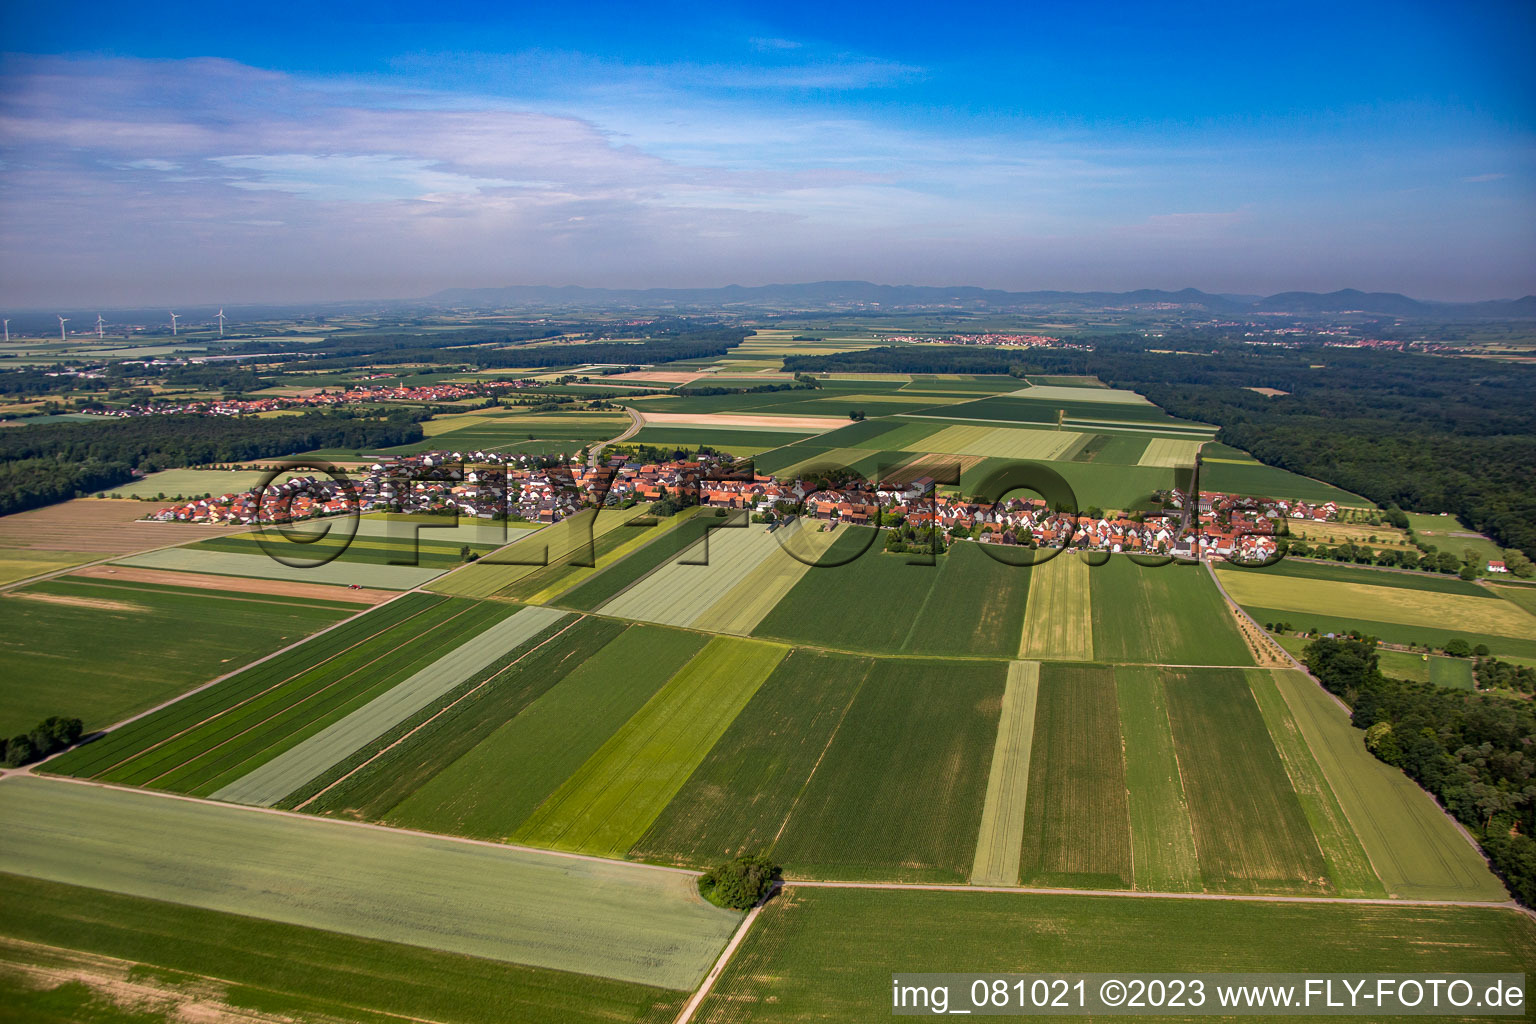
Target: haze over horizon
<point>180,154</point>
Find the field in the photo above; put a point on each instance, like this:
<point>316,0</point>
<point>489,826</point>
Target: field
<point>1349,870</point>
<point>494,786</point>
<point>1255,478</point>
<point>339,572</point>
<point>627,923</point>
<point>1249,826</point>
<point>194,483</point>
<point>607,581</point>
<point>1058,625</point>
<point>1172,615</point>
<point>24,563</point>
<point>94,528</point>
<point>570,541</point>
<point>1162,838</point>
<point>999,443</point>
<point>1416,850</point>
<point>1001,839</point>
<point>828,954</point>
<point>276,778</point>
<point>1076,823</point>
<point>898,793</point>
<point>684,591</point>
<point>102,650</point>
<point>740,797</point>
<point>1393,611</point>
<point>71,954</point>
<point>608,803</point>
<point>969,604</point>
<point>1170,452</point>
<point>312,592</point>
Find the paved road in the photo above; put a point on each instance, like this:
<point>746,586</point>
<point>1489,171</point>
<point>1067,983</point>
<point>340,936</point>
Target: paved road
<point>637,420</point>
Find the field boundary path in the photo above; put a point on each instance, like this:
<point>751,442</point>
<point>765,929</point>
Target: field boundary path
<point>636,422</point>
<point>697,999</point>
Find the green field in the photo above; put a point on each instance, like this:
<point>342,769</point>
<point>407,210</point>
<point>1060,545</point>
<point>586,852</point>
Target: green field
<point>368,787</point>
<point>1415,849</point>
<point>274,779</point>
<point>1162,837</point>
<point>612,579</point>
<point>1077,829</point>
<point>1255,478</point>
<point>101,650</point>
<point>611,920</point>
<point>1249,825</point>
<point>828,954</point>
<point>682,591</point>
<point>243,965</point>
<point>255,563</point>
<point>1349,869</point>
<point>571,541</point>
<point>898,793</point>
<point>741,795</point>
<point>607,804</point>
<point>493,787</point>
<point>1172,615</point>
<point>968,604</point>
<point>1311,569</point>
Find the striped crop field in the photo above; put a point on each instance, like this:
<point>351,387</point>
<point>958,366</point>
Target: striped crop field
<point>609,802</point>
<point>741,608</point>
<point>1077,828</point>
<point>1000,442</point>
<point>562,542</point>
<point>492,788</point>
<point>1162,837</point>
<point>1414,847</point>
<point>1170,452</point>
<point>276,778</point>
<point>739,799</point>
<point>613,920</point>
<point>680,593</point>
<point>1001,840</point>
<point>1058,621</point>
<point>1349,870</point>
<point>1249,825</point>
<point>613,579</point>
<point>92,760</point>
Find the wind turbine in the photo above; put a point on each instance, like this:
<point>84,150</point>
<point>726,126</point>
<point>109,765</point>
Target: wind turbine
<point>62,321</point>
<point>99,322</point>
<point>7,332</point>
<point>221,321</point>
<point>173,324</point>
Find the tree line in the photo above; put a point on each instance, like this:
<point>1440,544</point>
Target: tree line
<point>1473,751</point>
<point>47,737</point>
<point>50,462</point>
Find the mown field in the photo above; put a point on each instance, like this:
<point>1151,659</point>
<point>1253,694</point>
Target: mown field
<point>1077,829</point>
<point>999,844</point>
<point>102,650</point>
<point>1058,625</point>
<point>610,920</point>
<point>828,954</point>
<point>64,949</point>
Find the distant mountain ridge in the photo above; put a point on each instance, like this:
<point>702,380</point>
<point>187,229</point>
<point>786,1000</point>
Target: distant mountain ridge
<point>863,294</point>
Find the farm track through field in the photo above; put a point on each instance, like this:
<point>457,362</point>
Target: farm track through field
<point>274,686</point>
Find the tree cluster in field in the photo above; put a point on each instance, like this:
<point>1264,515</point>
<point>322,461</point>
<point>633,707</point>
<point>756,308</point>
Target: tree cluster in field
<point>1493,674</point>
<point>739,884</point>
<point>802,383</point>
<point>903,537</point>
<point>50,462</point>
<point>1475,752</point>
<point>1422,432</point>
<point>47,737</point>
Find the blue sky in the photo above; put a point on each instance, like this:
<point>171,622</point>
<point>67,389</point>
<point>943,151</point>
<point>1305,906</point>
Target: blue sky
<point>214,153</point>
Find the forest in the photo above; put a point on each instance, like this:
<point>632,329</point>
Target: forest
<point>1473,751</point>
<point>50,462</point>
<point>1426,433</point>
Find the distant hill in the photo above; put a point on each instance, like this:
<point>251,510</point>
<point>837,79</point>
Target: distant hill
<point>844,295</point>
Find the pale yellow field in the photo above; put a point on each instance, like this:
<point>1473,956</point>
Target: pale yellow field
<point>745,421</point>
<point>998,442</point>
<point>1000,842</point>
<point>745,604</point>
<point>1057,393</point>
<point>1170,452</point>
<point>548,546</point>
<point>1379,604</point>
<point>1338,533</point>
<point>20,563</point>
<point>1058,621</point>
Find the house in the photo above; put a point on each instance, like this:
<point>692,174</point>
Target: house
<point>1497,567</point>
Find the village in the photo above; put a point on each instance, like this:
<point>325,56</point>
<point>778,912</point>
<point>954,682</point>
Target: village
<point>542,489</point>
<point>322,398</point>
